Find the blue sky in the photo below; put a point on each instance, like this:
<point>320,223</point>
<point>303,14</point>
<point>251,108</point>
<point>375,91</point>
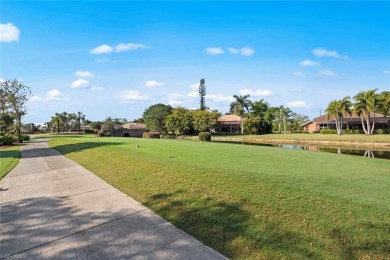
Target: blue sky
<point>117,58</point>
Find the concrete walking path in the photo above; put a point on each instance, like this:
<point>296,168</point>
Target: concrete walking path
<point>52,208</point>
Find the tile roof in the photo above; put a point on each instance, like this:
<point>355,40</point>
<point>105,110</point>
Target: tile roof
<point>229,118</point>
<point>134,126</point>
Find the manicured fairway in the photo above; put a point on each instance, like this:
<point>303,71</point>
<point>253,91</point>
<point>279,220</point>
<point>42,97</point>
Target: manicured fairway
<point>9,158</point>
<point>249,201</point>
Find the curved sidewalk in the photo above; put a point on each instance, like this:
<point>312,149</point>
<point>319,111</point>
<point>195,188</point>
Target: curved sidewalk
<point>52,208</point>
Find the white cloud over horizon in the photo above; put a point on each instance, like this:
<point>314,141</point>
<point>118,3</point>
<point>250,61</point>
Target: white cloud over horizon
<point>130,95</point>
<point>386,72</point>
<point>297,104</point>
<point>175,103</point>
<point>320,52</point>
<point>256,93</point>
<point>309,63</point>
<point>214,50</point>
<point>298,74</point>
<point>220,97</point>
<point>9,32</point>
<point>2,80</point>
<point>121,47</point>
<point>245,51</point>
<point>80,83</point>
<point>153,84</point>
<point>96,88</point>
<point>327,73</point>
<point>52,95</point>
<point>84,74</point>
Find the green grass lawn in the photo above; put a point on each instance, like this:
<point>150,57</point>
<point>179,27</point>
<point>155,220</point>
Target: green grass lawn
<point>251,202</point>
<point>9,158</point>
<point>322,137</point>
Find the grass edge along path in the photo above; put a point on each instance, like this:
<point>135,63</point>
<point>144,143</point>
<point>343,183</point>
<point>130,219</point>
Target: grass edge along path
<point>9,158</point>
<point>252,213</point>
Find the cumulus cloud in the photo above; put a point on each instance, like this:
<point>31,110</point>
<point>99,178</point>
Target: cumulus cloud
<point>52,95</point>
<point>386,72</point>
<point>219,98</point>
<point>309,63</point>
<point>9,32</point>
<point>256,93</point>
<point>194,86</point>
<point>153,84</point>
<point>245,51</point>
<point>214,50</point>
<point>320,52</point>
<point>193,94</point>
<point>2,80</point>
<point>130,95</point>
<point>297,74</point>
<point>327,73</point>
<point>105,60</point>
<point>84,74</point>
<point>176,96</point>
<point>102,49</point>
<point>129,47</point>
<point>96,88</point>
<point>297,104</point>
<point>80,83</point>
<point>175,103</point>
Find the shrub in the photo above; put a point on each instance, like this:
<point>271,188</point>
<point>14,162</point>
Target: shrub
<point>151,135</point>
<point>328,131</point>
<point>89,131</point>
<point>25,137</point>
<point>379,131</point>
<point>7,139</point>
<point>357,131</point>
<point>104,134</point>
<point>204,136</point>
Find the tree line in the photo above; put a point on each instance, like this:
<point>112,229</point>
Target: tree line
<point>366,105</point>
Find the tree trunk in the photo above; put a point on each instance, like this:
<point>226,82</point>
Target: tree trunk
<point>242,125</point>
<point>373,126</point>
<point>368,126</point>
<point>363,125</point>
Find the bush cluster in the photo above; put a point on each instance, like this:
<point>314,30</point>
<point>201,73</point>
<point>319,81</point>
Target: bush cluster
<point>204,136</point>
<point>89,131</point>
<point>328,131</point>
<point>104,134</point>
<point>151,135</point>
<point>6,139</point>
<point>25,137</point>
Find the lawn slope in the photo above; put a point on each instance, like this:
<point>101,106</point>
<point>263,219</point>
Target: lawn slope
<point>249,201</point>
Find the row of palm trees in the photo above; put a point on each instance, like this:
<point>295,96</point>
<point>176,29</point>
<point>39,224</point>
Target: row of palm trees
<point>64,122</point>
<point>366,103</point>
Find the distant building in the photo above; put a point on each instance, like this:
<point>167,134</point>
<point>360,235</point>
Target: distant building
<point>228,124</point>
<point>350,123</point>
<point>129,130</point>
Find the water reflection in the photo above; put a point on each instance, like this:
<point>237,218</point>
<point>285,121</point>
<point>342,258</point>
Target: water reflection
<point>383,154</point>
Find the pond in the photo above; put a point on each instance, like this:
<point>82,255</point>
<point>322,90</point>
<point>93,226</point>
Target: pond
<point>382,154</point>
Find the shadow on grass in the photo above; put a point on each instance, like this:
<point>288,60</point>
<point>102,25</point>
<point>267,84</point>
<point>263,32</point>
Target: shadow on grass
<point>9,154</point>
<point>226,227</point>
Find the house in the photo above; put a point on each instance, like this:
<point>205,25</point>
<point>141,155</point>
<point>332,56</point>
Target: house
<point>228,124</point>
<point>350,122</point>
<point>129,130</point>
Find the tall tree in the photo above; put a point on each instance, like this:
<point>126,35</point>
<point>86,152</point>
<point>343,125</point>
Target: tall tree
<point>204,120</point>
<point>17,96</point>
<point>179,121</point>
<point>155,115</point>
<point>337,109</point>
<point>202,94</point>
<point>367,102</point>
<point>282,115</point>
<point>80,119</point>
<point>384,105</point>
<point>239,106</point>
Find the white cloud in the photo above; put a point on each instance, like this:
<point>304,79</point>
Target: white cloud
<point>386,72</point>
<point>129,47</point>
<point>84,74</point>
<point>175,103</point>
<point>319,52</point>
<point>298,91</point>
<point>9,33</point>
<point>105,60</point>
<point>52,95</point>
<point>327,73</point>
<point>80,83</point>
<point>194,86</point>
<point>153,84</point>
<point>176,96</point>
<point>193,94</point>
<point>297,74</point>
<point>297,104</point>
<point>96,88</point>
<point>214,50</point>
<point>256,93</point>
<point>309,63</point>
<point>2,80</point>
<point>102,49</point>
<point>245,51</point>
<point>130,95</point>
<point>219,98</point>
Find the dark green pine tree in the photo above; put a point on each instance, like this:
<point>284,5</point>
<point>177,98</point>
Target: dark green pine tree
<point>202,94</point>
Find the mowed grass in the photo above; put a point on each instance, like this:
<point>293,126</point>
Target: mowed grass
<point>251,202</point>
<point>384,138</point>
<point>9,158</point>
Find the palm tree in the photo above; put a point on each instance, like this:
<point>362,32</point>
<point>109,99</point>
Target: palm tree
<point>367,102</point>
<point>337,109</point>
<point>385,105</point>
<point>239,106</point>
<point>56,121</point>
